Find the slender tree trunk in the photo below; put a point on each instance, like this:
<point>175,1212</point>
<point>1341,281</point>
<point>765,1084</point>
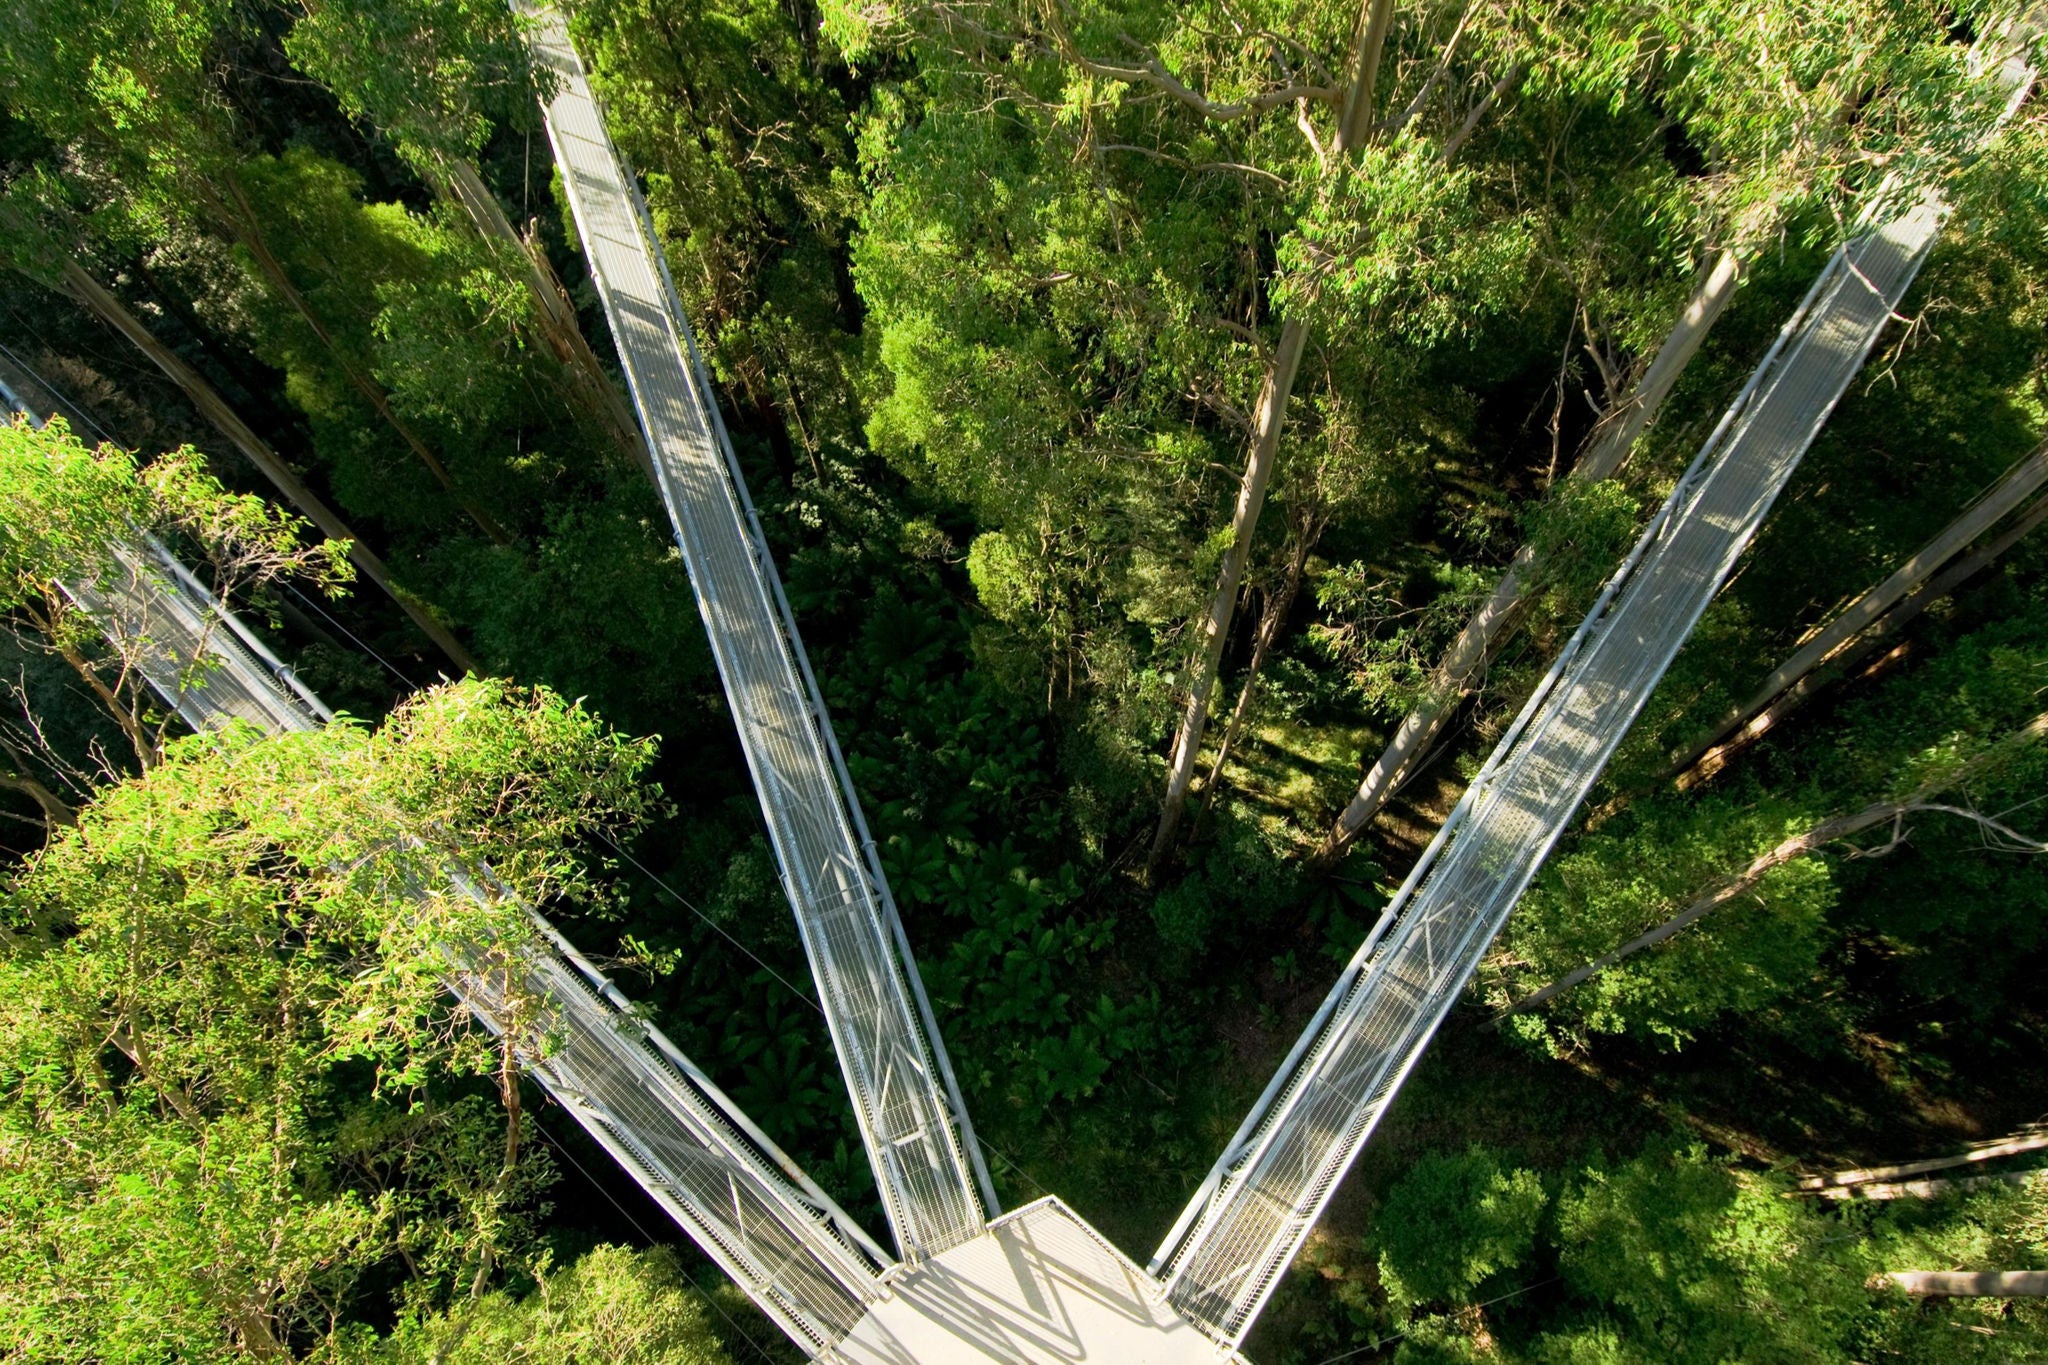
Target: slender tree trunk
<point>2019,484</point>
<point>1790,850</point>
<point>1354,126</point>
<point>1846,664</point>
<point>2020,1143</point>
<point>1244,524</point>
<point>1884,1190</point>
<point>1368,45</point>
<point>1966,1284</point>
<point>122,709</point>
<point>1491,626</point>
<point>87,290</point>
<point>1270,623</point>
<point>591,389</point>
<point>508,1093</point>
<point>242,217</point>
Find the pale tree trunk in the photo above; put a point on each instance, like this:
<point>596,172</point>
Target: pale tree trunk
<point>88,291</point>
<point>118,697</point>
<point>590,388</point>
<point>1883,1191</point>
<point>1790,850</point>
<point>1490,627</point>
<point>1368,45</point>
<point>1845,664</point>
<point>2019,484</point>
<point>1966,1284</point>
<point>1354,123</point>
<point>2027,1140</point>
<point>1271,620</point>
<point>1244,523</point>
<point>508,1094</point>
<point>242,219</point>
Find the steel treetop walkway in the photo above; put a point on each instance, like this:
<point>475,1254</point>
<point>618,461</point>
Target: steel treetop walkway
<point>807,1264</point>
<point>1038,1287</point>
<point>779,1237</point>
<point>1035,1285</point>
<point>1259,1202</point>
<point>1224,1256</point>
<point>927,1165</point>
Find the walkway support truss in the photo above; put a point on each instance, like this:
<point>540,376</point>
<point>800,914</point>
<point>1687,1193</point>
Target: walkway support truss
<point>933,1184</point>
<point>740,1198</point>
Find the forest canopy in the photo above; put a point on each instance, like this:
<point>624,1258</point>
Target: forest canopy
<point>1187,434</point>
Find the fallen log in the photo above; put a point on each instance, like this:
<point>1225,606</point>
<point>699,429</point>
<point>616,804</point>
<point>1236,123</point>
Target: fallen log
<point>1966,1284</point>
<point>2031,1139</point>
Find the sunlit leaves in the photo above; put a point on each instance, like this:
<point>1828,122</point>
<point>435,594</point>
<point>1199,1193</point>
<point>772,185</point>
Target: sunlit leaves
<point>190,973</point>
<point>1452,1222</point>
<point>433,76</point>
<point>1396,240</point>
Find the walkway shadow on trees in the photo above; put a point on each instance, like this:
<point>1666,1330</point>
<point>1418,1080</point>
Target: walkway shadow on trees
<point>1807,1083</point>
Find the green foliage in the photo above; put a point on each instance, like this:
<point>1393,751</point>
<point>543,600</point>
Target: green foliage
<point>1452,1224</point>
<point>1033,259</point>
<point>1693,1261</point>
<point>433,76</point>
<point>1579,534</point>
<point>390,288</point>
<point>132,84</point>
<point>1388,635</point>
<point>610,1306</point>
<point>1944,888</point>
<point>65,510</point>
<point>1607,888</point>
<point>1396,239</point>
<point>188,1129</point>
<point>73,520</point>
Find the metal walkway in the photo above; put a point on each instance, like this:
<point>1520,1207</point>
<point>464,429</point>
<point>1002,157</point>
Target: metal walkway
<point>755,1214</point>
<point>927,1165</point>
<point>1259,1202</point>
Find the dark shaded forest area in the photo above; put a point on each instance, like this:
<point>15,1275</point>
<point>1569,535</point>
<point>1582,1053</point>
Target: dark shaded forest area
<point>1184,449</point>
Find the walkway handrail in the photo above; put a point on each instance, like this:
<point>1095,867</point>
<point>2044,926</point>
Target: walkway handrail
<point>1224,1255</point>
<point>928,1167</point>
<point>808,1265</point>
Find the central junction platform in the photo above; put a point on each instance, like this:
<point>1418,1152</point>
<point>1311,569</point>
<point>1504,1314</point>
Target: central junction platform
<point>1040,1287</point>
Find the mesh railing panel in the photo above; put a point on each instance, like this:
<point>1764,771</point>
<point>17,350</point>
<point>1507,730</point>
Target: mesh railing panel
<point>674,1132</point>
<point>153,607</point>
<point>895,1068</point>
<point>1272,1188</point>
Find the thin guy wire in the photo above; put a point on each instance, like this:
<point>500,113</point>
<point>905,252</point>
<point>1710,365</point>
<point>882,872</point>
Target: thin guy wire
<point>684,901</point>
<point>107,436</point>
<point>57,393</point>
<point>1396,1336</point>
<point>355,639</point>
<point>986,1145</point>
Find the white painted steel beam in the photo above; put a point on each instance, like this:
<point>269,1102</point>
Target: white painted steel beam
<point>927,1166</point>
